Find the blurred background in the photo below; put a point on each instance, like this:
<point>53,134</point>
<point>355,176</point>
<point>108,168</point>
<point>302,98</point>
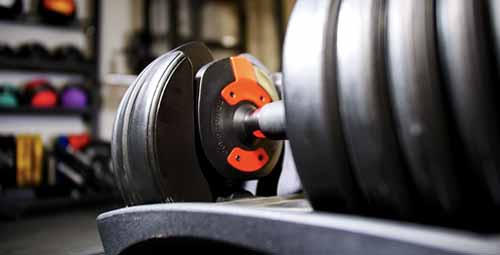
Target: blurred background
<point>64,66</point>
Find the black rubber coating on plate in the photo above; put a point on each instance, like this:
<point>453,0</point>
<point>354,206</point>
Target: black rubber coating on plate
<point>366,112</point>
<point>136,158</point>
<point>116,140</point>
<point>312,114</point>
<point>159,134</point>
<point>121,178</point>
<point>494,7</point>
<point>133,186</point>
<point>467,58</point>
<point>419,105</point>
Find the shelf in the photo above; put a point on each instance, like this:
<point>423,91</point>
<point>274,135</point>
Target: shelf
<point>44,111</point>
<point>35,21</point>
<point>46,66</point>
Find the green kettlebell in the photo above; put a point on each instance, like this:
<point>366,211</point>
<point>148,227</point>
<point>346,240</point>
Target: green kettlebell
<point>8,96</point>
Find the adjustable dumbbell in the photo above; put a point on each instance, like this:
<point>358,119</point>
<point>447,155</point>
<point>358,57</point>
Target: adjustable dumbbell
<point>376,105</point>
<point>177,151</point>
<point>203,135</point>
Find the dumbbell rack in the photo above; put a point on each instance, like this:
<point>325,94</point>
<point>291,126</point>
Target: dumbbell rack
<point>14,203</point>
<point>275,225</point>
<point>89,69</point>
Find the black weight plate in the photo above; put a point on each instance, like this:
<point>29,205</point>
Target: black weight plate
<point>121,178</point>
<point>165,112</point>
<point>136,161</point>
<point>365,110</point>
<point>494,7</point>
<point>473,87</point>
<point>125,182</point>
<point>419,104</point>
<point>217,132</point>
<point>159,135</point>
<point>311,103</point>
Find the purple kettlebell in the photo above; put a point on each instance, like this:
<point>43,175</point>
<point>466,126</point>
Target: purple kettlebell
<point>74,97</point>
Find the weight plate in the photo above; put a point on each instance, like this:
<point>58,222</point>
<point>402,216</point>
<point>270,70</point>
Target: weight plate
<point>121,178</point>
<point>158,134</point>
<point>472,84</point>
<point>494,7</point>
<point>23,160</point>
<point>135,159</point>
<point>419,105</point>
<point>37,157</point>
<point>365,110</point>
<point>313,118</point>
<point>220,137</point>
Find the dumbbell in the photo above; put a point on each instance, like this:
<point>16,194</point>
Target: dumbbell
<point>32,51</point>
<point>82,164</point>
<point>68,53</point>
<point>203,135</point>
<point>164,161</point>
<point>376,105</point>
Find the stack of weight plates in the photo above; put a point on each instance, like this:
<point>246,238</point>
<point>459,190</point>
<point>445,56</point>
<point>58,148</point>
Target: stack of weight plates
<point>392,108</point>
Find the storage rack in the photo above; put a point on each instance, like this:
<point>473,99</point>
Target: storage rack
<point>88,70</point>
<point>174,38</point>
<point>195,21</point>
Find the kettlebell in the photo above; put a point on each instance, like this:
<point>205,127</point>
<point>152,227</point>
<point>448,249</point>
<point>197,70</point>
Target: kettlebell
<point>40,94</point>
<point>9,95</point>
<point>74,96</point>
<point>58,12</point>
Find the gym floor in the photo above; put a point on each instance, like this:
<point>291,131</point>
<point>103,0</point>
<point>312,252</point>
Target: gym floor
<point>68,231</point>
